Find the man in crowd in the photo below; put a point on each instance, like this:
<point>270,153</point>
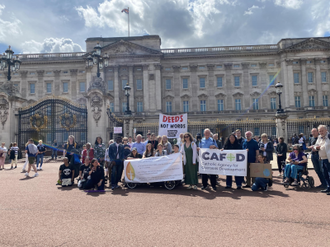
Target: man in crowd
<point>31,150</point>
<point>252,148</point>
<point>239,137</point>
<point>208,142</point>
<point>316,158</point>
<point>148,138</point>
<point>130,141</point>
<point>116,155</point>
<point>140,146</point>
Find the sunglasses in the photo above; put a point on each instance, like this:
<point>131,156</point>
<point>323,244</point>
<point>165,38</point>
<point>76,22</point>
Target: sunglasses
<point>186,137</point>
<point>295,149</point>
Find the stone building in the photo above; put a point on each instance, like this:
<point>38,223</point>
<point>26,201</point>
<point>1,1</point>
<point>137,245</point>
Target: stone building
<point>224,88</point>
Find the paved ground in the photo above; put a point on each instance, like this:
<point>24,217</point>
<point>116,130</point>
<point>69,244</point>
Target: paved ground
<point>36,212</point>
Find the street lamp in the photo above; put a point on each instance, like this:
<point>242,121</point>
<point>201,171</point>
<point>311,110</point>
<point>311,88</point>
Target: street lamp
<point>8,61</point>
<point>279,87</point>
<point>96,58</point>
<point>127,88</point>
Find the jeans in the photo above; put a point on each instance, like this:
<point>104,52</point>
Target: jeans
<point>326,171</point>
<point>292,170</point>
<point>238,180</point>
<point>54,153</point>
<point>90,184</point>
<point>260,183</point>
<point>116,172</point>
<point>40,157</point>
<point>318,168</point>
<point>279,163</point>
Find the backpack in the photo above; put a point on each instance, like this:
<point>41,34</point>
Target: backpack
<point>33,149</point>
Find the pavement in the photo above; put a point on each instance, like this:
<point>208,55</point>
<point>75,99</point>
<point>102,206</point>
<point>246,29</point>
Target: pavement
<point>36,212</point>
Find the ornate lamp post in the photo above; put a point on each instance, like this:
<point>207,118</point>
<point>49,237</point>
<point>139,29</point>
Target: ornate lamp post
<point>279,87</point>
<point>96,58</point>
<point>8,61</point>
<point>127,88</point>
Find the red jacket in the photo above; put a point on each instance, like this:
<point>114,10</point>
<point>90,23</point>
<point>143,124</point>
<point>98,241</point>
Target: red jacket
<point>90,154</point>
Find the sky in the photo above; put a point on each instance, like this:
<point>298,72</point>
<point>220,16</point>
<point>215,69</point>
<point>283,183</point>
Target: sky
<point>48,26</point>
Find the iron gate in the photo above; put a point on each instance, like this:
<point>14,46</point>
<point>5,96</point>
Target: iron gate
<point>52,119</point>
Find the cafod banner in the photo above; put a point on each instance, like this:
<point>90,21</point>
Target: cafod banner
<point>172,125</point>
<point>154,169</point>
<point>226,162</point>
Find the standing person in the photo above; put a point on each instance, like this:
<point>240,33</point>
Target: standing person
<point>150,151</point>
<point>153,141</point>
<point>316,158</point>
<point>257,139</point>
<point>66,171</point>
<point>281,150</point>
<point>301,141</point>
<point>140,146</point>
<point>166,144</point>
<point>99,150</point>
<point>13,155</point>
<point>127,147</point>
<point>54,150</point>
<point>68,147</point>
<point>96,176</point>
<point>148,138</point>
<point>232,144</point>
<point>239,137</point>
<point>88,152</point>
<point>26,159</point>
<point>216,138</point>
<point>31,150</point>
<point>130,141</point>
<point>40,155</point>
<point>266,147</point>
<point>108,167</point>
<point>160,151</point>
<point>252,149</point>
<point>3,154</point>
<point>116,155</point>
<point>180,139</point>
<point>189,152</point>
<point>208,142</point>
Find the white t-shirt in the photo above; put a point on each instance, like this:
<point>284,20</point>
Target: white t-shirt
<point>265,146</point>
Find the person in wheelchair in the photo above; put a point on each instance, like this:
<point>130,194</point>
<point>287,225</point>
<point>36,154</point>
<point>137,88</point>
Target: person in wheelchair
<point>297,162</point>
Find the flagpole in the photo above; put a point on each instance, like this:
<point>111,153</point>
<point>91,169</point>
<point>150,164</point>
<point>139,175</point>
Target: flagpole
<point>128,20</point>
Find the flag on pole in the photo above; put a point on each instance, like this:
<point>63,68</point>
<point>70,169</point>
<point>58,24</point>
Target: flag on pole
<point>125,10</point>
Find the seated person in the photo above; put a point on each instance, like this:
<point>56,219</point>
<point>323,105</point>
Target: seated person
<point>66,171</point>
<point>176,149</point>
<point>262,183</point>
<point>298,161</point>
<point>84,172</point>
<point>160,151</point>
<point>149,151</point>
<point>96,176</point>
<point>134,155</point>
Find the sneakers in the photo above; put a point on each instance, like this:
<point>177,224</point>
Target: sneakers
<point>37,168</point>
<point>266,187</point>
<point>26,174</point>
<point>195,187</point>
<point>40,168</point>
<point>189,187</point>
<point>36,175</point>
<point>204,188</point>
<point>295,183</point>
<point>279,175</point>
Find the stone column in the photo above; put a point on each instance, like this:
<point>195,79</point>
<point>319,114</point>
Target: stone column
<point>73,83</point>
<point>304,83</point>
<point>177,86</point>
<point>210,87</point>
<point>318,83</point>
<point>40,84</point>
<point>5,116</point>
<point>229,86</point>
<point>146,88</point>
<point>246,84</point>
<point>131,84</point>
<point>57,82</point>
<point>158,80</point>
<point>281,125</point>
<point>116,88</point>
<point>194,88</point>
<point>264,82</point>
<point>24,84</point>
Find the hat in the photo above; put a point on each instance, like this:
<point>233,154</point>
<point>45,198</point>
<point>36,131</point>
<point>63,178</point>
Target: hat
<point>134,149</point>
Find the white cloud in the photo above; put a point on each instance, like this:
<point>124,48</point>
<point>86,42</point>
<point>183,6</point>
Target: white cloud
<point>9,29</point>
<point>290,4</point>
<point>250,10</point>
<point>51,45</point>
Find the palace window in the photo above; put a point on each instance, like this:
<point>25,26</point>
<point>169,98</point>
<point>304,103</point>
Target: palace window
<point>311,101</point>
<point>273,131</point>
<point>202,82</point>
<point>324,76</point>
<point>271,80</point>
<point>219,66</point>
<point>310,77</point>
<point>168,84</point>
<point>238,106</point>
<point>236,65</point>
<point>203,105</point>
<point>297,101</point>
<point>49,87</point>
<point>255,104</point>
<point>186,106</point>
<point>254,80</point>
<point>82,87</point>
<point>185,83</point>
<point>123,84</point>
<point>139,107</point>
<point>273,103</point>
<point>112,107</point>
<point>296,78</point>
<point>219,81</point>
<point>236,80</point>
<point>65,87</point>
<point>253,65</point>
<point>138,84</point>
<point>168,107</point>
<point>124,106</point>
<point>220,105</point>
<point>256,131</point>
<point>110,85</point>
<point>325,100</point>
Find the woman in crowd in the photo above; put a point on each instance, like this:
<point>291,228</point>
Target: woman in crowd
<point>40,156</point>
<point>281,150</point>
<point>3,154</point>
<point>96,176</point>
<point>166,144</point>
<point>149,151</point>
<point>99,150</point>
<point>189,152</point>
<point>233,144</point>
<point>13,155</point>
<point>134,155</point>
<point>159,139</point>
<point>88,152</point>
<point>302,141</point>
<point>153,141</point>
<point>127,148</point>
<point>107,163</point>
<point>69,147</point>
<point>298,161</point>
<point>84,172</point>
<point>261,183</point>
<point>266,147</point>
<point>26,160</point>
<point>180,140</point>
<point>160,151</point>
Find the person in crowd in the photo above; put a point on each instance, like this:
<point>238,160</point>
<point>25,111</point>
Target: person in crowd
<point>134,154</point>
<point>127,147</point>
<point>148,138</point>
<point>40,156</point>
<point>297,161</point>
<point>239,137</point>
<point>84,172</point>
<point>13,155</point>
<point>83,149</point>
<point>322,145</point>
<point>266,147</point>
<point>261,183</point>
<point>66,171</point>
<point>216,138</point>
<point>159,139</point>
<point>208,142</point>
<point>176,149</point>
<point>26,160</point>
<point>295,139</point>
<point>99,150</point>
<point>281,150</point>
<point>3,155</point>
<point>301,141</point>
<point>189,153</point>
<point>252,149</point>
<point>180,139</point>
<point>116,154</point>
<point>143,140</point>
<point>54,149</point>
<point>232,144</point>
<point>257,138</point>
<point>160,150</point>
<point>316,158</point>
<point>130,141</point>
<point>153,140</point>
<point>140,146</point>
<point>31,150</point>
<point>96,176</point>
<point>198,139</point>
<point>166,144</point>
<point>150,151</point>
<point>89,152</point>
<point>107,166</point>
<point>69,147</point>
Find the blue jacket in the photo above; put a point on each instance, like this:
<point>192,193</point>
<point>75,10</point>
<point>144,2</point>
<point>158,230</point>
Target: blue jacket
<point>113,152</point>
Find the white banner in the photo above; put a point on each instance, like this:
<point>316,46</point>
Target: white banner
<point>154,169</point>
<point>117,130</point>
<point>226,162</point>
<point>172,125</point>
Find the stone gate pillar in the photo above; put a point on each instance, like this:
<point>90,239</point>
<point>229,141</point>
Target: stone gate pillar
<point>281,125</point>
<point>128,127</point>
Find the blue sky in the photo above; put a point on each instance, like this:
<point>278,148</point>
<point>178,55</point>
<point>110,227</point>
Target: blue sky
<point>33,26</point>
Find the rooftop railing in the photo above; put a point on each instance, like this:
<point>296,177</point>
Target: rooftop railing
<point>50,55</point>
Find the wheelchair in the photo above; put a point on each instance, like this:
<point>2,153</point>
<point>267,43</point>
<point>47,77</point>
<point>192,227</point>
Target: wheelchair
<point>303,179</point>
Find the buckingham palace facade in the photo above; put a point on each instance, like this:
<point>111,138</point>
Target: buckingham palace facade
<point>224,87</point>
